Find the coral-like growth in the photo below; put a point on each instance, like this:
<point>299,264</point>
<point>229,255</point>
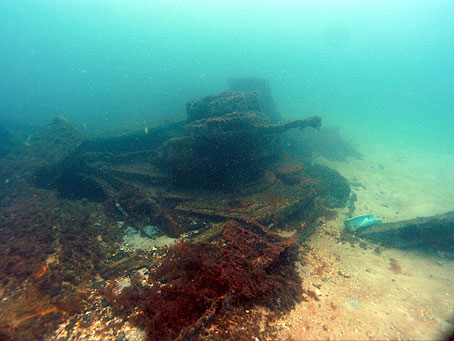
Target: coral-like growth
<point>198,283</point>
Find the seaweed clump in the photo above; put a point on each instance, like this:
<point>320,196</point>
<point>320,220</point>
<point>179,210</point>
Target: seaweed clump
<point>210,283</point>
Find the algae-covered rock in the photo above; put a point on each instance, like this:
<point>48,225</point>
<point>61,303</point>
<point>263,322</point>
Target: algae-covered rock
<point>53,143</point>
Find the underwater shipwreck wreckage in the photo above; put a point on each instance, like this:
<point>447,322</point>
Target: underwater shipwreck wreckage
<point>225,147</point>
<point>220,180</point>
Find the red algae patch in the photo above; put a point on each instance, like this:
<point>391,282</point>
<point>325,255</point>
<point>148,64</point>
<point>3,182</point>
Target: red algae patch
<point>202,284</point>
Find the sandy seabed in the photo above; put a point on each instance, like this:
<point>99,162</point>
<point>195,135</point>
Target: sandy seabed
<point>380,293</point>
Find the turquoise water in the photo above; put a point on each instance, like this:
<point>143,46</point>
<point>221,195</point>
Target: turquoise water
<point>381,72</point>
<point>377,69</point>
